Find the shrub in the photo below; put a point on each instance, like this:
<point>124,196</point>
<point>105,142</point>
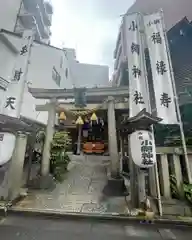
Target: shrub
<point>59,157</point>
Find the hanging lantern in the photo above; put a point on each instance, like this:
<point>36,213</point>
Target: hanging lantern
<point>94,117</point>
<point>62,116</point>
<point>79,121</point>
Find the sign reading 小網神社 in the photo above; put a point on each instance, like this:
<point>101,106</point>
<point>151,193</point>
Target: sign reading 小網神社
<point>143,150</point>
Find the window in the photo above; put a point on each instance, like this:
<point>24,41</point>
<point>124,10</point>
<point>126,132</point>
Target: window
<point>56,76</point>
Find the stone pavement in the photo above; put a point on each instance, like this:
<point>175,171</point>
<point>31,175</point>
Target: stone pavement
<point>80,192</point>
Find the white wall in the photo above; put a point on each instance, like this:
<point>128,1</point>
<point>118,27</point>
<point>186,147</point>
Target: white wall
<point>43,59</point>
<point>6,66</point>
<point>8,13</point>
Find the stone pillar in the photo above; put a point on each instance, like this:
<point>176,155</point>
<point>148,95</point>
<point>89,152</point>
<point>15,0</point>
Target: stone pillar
<point>122,148</point>
<point>178,172</point>
<point>141,185</point>
<point>79,140</point>
<point>113,148</point>
<point>122,151</point>
<point>16,167</point>
<point>152,182</point>
<point>164,176</point>
<point>190,162</point>
<point>45,165</point>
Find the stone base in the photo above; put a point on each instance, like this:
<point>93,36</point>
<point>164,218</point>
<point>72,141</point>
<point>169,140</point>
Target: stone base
<point>42,182</point>
<point>176,208</point>
<point>115,187</point>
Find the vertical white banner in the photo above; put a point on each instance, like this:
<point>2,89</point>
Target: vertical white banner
<point>138,91</point>
<point>13,97</point>
<point>161,68</point>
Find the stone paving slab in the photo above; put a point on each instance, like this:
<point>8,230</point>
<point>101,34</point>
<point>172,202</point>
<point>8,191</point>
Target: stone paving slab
<point>81,190</point>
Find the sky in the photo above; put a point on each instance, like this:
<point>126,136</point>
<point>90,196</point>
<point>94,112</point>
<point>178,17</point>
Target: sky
<point>89,26</point>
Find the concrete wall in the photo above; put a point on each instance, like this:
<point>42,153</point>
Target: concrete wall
<point>8,14</point>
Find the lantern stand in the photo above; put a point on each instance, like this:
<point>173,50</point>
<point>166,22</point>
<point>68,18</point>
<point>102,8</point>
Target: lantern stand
<point>142,121</point>
<point>79,124</point>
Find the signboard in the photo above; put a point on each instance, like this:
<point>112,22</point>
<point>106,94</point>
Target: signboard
<point>80,97</point>
<point>143,151</point>
<point>11,103</point>
<point>161,68</point>
<point>138,90</point>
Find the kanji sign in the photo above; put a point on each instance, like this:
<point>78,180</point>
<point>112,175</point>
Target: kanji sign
<point>24,50</point>
<point>138,99</point>
<point>17,75</point>
<point>10,102</point>
<point>143,150</point>
<point>133,26</point>
<point>156,38</point>
<point>165,100</point>
<point>161,68</point>
<point>138,89</point>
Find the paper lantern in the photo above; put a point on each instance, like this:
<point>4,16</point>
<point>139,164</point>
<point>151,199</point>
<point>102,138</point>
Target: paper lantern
<point>7,145</point>
<point>142,147</point>
<point>62,116</point>
<point>94,117</point>
<point>79,121</point>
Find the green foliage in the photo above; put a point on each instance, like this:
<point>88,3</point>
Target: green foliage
<point>59,157</point>
<point>187,188</point>
<point>188,192</point>
<point>174,189</point>
<point>169,135</point>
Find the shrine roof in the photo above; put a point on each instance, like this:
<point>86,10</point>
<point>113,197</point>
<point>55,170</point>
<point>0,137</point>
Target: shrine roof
<point>8,123</point>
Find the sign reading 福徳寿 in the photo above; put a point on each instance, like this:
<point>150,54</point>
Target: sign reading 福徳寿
<point>143,150</point>
<point>161,68</point>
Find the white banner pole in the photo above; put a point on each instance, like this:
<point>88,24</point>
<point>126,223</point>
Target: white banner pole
<point>177,103</point>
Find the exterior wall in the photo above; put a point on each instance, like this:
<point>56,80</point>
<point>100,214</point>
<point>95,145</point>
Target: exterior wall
<point>120,55</point>
<point>174,10</point>
<point>14,17</point>
<point>6,66</point>
<point>43,59</point>
<point>8,14</point>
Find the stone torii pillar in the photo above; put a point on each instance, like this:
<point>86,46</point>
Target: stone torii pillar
<point>115,185</point>
<point>45,164</point>
<point>112,133</point>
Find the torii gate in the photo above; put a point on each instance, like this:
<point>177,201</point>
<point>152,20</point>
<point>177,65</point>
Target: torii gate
<point>93,95</point>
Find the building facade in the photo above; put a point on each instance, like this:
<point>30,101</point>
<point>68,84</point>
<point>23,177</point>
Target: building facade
<point>18,15</point>
<point>174,10</point>
<point>49,67</point>
<point>179,36</point>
